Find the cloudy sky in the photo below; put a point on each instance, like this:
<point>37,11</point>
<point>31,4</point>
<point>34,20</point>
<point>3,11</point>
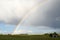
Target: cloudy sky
<point>29,16</point>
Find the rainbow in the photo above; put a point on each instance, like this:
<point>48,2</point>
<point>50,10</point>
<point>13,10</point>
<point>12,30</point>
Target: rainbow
<point>27,14</point>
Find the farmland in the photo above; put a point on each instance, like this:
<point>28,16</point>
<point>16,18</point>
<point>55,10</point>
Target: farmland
<point>27,37</point>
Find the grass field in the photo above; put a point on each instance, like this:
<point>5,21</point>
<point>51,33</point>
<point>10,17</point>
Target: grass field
<point>27,37</point>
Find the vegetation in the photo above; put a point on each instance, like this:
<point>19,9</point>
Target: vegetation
<point>27,37</point>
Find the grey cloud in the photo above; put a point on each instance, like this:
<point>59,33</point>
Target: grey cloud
<point>11,21</point>
<point>46,15</point>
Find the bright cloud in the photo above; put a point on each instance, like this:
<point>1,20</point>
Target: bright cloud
<point>0,31</point>
<point>12,10</point>
<point>23,31</point>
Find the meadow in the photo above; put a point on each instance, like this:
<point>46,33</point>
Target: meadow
<point>27,37</point>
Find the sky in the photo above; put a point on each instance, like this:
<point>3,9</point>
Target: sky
<point>29,16</point>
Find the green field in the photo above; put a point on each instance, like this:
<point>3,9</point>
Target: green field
<point>27,37</point>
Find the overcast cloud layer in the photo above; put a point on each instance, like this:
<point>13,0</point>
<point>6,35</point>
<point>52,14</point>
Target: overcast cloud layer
<point>46,15</point>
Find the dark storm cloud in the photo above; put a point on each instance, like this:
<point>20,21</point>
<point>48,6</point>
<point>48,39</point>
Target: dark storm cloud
<point>50,12</point>
<point>55,13</point>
